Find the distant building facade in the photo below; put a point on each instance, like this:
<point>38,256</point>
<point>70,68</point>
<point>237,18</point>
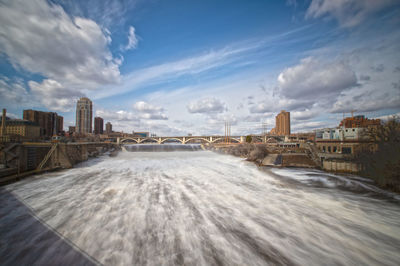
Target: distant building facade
<point>359,121</point>
<point>108,128</point>
<point>348,137</point>
<point>84,114</point>
<point>23,128</point>
<point>141,134</point>
<point>50,123</point>
<point>282,124</point>
<point>98,125</point>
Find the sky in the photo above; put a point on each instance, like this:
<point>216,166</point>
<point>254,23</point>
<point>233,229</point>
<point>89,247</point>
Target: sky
<point>185,67</point>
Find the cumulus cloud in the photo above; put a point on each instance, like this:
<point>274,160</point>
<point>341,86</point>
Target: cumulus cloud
<point>207,105</point>
<point>311,79</point>
<point>120,115</point>
<point>149,111</point>
<point>54,95</point>
<point>304,114</point>
<point>145,107</point>
<point>132,39</point>
<point>41,37</point>
<point>274,104</point>
<point>349,13</point>
<point>367,100</point>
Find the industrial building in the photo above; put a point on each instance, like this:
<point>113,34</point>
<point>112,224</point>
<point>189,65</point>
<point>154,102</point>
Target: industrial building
<point>50,123</point>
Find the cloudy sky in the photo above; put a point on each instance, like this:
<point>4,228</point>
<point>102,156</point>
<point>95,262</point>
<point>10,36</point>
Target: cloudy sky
<point>179,67</point>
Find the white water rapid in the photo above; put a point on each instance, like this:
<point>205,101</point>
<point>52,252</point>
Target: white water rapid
<point>196,208</point>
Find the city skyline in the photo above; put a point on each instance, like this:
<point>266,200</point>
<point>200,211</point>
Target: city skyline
<point>244,62</point>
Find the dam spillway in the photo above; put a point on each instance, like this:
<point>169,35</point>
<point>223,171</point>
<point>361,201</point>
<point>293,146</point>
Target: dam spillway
<point>196,208</point>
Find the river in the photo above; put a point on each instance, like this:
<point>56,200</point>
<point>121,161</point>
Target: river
<point>196,208</point>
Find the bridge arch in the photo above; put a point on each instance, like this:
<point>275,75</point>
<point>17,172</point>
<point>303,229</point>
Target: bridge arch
<point>196,138</point>
<point>132,139</point>
<point>148,140</point>
<point>166,139</point>
<point>223,139</point>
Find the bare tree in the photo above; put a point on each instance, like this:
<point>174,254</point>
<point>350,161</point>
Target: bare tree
<point>380,160</point>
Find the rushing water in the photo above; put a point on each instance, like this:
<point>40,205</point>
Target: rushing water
<point>196,208</point>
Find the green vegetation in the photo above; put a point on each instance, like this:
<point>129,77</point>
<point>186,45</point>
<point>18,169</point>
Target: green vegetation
<point>249,139</point>
<point>380,161</point>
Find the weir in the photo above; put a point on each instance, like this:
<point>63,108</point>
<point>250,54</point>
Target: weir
<point>161,148</point>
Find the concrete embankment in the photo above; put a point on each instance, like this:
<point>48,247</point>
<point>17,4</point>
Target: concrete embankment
<point>268,156</point>
<point>18,160</point>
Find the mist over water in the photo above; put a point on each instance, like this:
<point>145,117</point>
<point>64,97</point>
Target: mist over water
<point>203,208</point>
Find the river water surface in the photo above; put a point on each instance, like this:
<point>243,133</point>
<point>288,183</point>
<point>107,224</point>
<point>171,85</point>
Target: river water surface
<point>196,208</point>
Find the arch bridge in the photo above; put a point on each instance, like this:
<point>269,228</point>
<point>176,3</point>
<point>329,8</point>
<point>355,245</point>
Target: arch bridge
<point>190,139</point>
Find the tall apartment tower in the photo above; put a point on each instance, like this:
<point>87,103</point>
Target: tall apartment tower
<point>84,114</point>
<point>98,125</point>
<point>282,123</point>
<point>108,128</point>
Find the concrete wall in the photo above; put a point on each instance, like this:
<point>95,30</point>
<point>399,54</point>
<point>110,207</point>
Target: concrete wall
<point>340,166</point>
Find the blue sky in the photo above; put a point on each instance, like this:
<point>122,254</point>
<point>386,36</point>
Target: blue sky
<point>179,67</point>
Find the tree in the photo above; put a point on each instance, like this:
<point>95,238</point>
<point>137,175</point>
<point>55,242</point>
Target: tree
<point>249,139</point>
<point>380,160</point>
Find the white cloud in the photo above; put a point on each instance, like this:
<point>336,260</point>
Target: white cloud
<point>13,92</point>
<point>171,70</point>
<point>312,78</point>
<point>120,115</point>
<point>304,114</point>
<point>145,107</point>
<point>207,105</point>
<point>149,111</point>
<point>349,13</point>
<point>54,95</point>
<point>132,39</point>
<point>41,37</point>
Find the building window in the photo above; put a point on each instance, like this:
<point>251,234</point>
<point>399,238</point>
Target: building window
<point>334,149</point>
<point>323,148</point>
<point>329,148</point>
<point>346,150</point>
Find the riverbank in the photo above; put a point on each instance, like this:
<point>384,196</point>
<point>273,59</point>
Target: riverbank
<point>273,157</point>
<point>263,155</point>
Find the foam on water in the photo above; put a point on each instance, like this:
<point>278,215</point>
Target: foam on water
<point>201,208</point>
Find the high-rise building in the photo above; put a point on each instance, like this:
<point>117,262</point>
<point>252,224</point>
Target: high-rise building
<point>282,123</point>
<point>84,114</point>
<point>108,128</point>
<point>50,123</point>
<point>98,125</point>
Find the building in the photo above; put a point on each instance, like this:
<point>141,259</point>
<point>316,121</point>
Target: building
<point>348,138</point>
<point>108,128</point>
<point>141,134</point>
<point>19,127</point>
<point>84,114</point>
<point>282,124</point>
<point>71,130</point>
<point>359,121</point>
<point>98,125</point>
<point>50,123</point>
